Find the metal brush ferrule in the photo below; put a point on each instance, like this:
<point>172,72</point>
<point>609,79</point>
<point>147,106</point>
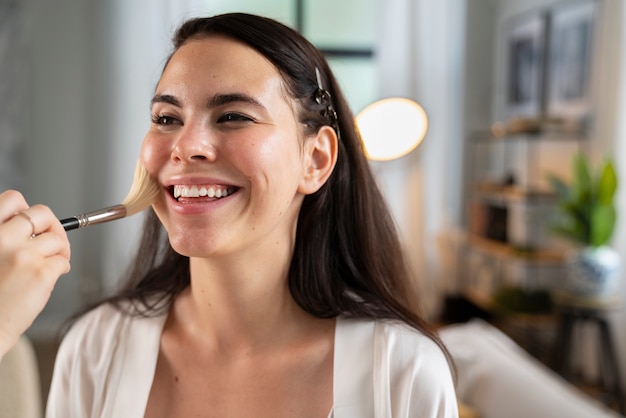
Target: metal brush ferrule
<point>100,216</point>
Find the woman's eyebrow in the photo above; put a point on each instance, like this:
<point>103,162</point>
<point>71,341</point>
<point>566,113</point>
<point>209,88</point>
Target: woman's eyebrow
<point>224,99</point>
<point>215,101</point>
<point>165,98</point>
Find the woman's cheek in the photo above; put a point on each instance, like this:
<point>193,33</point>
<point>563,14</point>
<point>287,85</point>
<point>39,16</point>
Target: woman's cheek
<point>149,156</point>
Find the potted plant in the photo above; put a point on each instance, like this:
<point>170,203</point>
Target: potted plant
<point>588,217</point>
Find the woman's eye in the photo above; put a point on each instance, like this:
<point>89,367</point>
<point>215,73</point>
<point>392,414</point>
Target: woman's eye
<point>233,117</point>
<point>163,120</point>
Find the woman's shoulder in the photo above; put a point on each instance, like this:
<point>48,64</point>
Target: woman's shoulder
<point>99,321</point>
<point>396,332</point>
<point>392,334</point>
<point>410,347</point>
<point>106,351</point>
<point>105,326</point>
<point>410,368</point>
<point>101,314</point>
<point>398,345</point>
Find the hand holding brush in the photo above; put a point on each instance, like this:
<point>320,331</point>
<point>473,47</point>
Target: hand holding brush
<point>142,192</point>
<point>35,251</point>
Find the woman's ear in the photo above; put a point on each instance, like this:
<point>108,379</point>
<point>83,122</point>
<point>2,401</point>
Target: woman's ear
<point>319,159</point>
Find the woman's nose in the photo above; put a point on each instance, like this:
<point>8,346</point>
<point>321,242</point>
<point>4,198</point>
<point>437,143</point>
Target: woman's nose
<point>194,143</point>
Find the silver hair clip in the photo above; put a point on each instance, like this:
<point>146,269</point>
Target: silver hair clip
<point>319,78</point>
<point>323,97</point>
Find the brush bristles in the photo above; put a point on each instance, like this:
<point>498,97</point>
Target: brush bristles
<point>142,192</point>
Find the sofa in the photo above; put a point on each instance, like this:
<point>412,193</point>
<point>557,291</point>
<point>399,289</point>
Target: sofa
<point>496,378</point>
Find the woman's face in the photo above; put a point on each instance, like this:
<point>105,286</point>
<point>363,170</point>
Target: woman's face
<point>226,146</point>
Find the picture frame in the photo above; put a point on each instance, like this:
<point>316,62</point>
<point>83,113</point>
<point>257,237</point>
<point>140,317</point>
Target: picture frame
<point>525,74</point>
<point>572,29</point>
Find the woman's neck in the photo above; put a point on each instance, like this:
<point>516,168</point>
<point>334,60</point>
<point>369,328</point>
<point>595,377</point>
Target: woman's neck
<point>240,303</point>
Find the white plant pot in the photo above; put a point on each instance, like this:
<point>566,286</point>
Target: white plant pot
<point>593,271</point>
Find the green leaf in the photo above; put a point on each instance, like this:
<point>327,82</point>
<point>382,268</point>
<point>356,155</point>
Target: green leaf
<point>607,184</point>
<point>581,180</point>
<point>603,220</point>
<point>560,188</point>
<point>570,232</point>
<point>587,211</point>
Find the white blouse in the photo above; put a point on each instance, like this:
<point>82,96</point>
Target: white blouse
<point>106,364</point>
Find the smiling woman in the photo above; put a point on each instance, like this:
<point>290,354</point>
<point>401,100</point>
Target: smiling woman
<point>270,280</point>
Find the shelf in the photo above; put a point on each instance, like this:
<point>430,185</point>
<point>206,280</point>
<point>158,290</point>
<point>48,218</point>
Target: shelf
<point>486,303</point>
<point>530,136</point>
<point>532,130</point>
<point>532,331</point>
<point>507,251</point>
<point>498,193</point>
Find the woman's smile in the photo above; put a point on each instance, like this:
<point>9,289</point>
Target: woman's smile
<point>183,193</point>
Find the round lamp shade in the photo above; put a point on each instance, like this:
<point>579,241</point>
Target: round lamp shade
<point>391,128</point>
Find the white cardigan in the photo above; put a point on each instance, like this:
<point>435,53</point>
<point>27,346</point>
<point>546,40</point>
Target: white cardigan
<point>106,363</point>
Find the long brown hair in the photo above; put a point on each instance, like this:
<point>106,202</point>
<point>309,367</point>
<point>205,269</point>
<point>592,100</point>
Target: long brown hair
<point>347,258</point>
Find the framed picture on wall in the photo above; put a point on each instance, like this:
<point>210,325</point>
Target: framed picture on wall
<point>571,48</point>
<point>525,50</point>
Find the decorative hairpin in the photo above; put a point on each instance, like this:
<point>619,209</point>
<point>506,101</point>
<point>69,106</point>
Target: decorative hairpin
<point>323,97</point>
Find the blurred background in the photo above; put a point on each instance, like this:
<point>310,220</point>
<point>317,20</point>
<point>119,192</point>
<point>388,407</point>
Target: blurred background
<point>76,78</point>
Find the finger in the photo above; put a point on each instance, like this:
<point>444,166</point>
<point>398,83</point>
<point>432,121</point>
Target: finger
<point>54,267</point>
<point>54,225</point>
<point>11,202</point>
<point>15,231</point>
<point>21,226</point>
<point>43,219</point>
<point>33,229</point>
<point>62,264</point>
<point>50,244</point>
<point>48,224</point>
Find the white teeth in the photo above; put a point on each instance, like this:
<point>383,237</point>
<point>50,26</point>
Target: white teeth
<point>195,191</point>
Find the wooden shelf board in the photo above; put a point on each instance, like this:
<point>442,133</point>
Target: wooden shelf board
<point>518,319</point>
<point>511,193</point>
<point>504,250</point>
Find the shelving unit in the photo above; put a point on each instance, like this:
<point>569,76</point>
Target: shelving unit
<point>510,206</point>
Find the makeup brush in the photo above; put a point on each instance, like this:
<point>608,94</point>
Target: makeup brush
<point>142,192</point>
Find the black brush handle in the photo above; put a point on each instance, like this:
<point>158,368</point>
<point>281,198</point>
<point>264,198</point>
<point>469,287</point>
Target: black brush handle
<point>70,223</point>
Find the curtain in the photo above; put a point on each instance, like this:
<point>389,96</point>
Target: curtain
<point>421,58</point>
